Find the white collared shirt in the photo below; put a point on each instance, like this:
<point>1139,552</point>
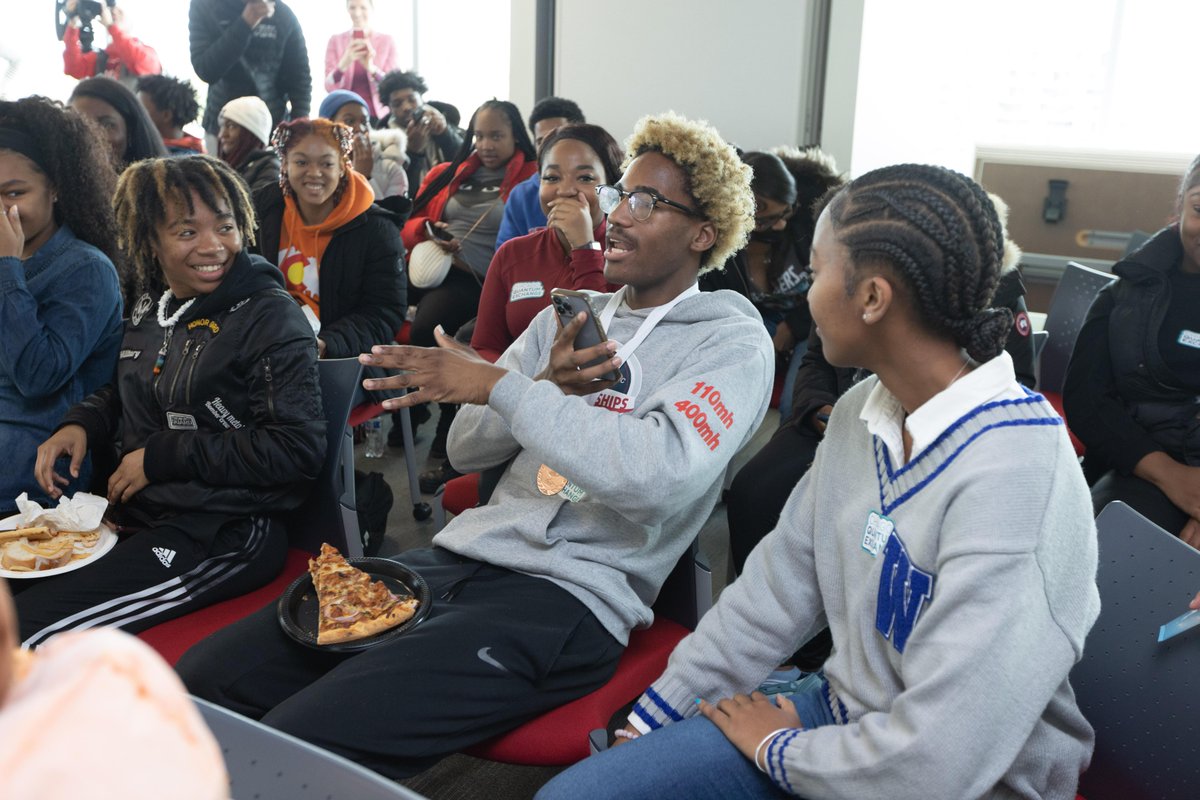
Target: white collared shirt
<point>993,380</point>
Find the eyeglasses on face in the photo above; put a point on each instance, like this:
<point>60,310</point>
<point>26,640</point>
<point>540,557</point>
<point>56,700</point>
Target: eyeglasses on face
<point>641,202</point>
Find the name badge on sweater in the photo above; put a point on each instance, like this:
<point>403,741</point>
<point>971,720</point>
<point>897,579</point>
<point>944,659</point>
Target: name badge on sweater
<point>1189,339</point>
<point>526,290</point>
<point>876,533</point>
<point>181,422</point>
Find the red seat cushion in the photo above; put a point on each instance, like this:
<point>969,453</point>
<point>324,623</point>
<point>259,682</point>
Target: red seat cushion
<point>365,411</point>
<point>559,737</point>
<point>172,638</point>
<point>461,493</point>
<point>1055,399</point>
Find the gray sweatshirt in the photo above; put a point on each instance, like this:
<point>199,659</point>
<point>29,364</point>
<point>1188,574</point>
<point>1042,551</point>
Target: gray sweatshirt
<point>649,458</point>
<point>953,633</point>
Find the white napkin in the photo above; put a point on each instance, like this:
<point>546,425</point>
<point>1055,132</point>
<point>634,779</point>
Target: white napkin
<point>83,512</point>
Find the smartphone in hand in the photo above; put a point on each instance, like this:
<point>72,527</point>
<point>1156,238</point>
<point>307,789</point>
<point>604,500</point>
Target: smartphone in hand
<point>434,232</point>
<point>568,303</point>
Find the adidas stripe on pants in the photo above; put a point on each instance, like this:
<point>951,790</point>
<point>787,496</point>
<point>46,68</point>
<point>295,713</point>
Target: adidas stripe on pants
<point>153,576</point>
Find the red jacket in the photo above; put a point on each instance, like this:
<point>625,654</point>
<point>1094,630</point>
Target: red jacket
<point>123,51</point>
<point>518,283</point>
<point>518,169</point>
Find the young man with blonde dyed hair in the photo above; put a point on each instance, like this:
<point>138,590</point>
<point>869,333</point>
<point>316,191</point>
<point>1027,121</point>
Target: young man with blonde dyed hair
<point>536,592</point>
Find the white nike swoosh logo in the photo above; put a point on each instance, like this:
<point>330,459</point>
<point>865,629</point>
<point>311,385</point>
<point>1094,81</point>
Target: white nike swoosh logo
<point>487,659</point>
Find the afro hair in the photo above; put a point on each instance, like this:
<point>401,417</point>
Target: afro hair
<point>717,179</point>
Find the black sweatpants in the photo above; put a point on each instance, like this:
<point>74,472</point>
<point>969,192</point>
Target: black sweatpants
<point>451,304</point>
<point>174,567</point>
<point>497,649</point>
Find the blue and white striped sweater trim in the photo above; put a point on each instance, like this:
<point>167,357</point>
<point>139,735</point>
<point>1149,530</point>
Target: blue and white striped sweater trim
<point>649,715</point>
<point>775,767</point>
<point>1032,402</point>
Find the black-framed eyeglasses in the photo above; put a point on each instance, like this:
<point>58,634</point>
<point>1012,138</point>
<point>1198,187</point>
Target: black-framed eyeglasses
<point>641,202</point>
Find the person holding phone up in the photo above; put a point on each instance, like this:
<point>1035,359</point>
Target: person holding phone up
<point>357,59</point>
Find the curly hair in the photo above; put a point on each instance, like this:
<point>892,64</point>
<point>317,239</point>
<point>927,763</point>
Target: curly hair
<point>77,163</point>
<point>716,178</point>
<point>599,140</point>
<point>149,190</point>
<point>172,95</point>
<point>398,80</point>
<point>939,232</point>
<point>337,135</point>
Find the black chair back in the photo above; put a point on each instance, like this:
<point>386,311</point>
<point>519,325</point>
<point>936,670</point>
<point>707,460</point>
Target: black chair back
<point>1068,309</point>
<point>1138,693</point>
<point>329,514</point>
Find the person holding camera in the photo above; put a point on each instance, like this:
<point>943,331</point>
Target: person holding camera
<point>249,47</point>
<point>430,138</point>
<point>125,58</point>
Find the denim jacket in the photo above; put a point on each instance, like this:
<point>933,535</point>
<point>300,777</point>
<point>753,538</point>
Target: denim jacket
<point>60,329</point>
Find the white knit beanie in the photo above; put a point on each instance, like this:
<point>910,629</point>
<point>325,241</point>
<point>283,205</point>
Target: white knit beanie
<point>252,114</point>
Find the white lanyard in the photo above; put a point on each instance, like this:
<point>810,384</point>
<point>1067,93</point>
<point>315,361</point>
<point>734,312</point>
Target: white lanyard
<point>652,319</point>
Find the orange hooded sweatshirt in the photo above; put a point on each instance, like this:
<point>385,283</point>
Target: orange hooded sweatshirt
<point>301,246</point>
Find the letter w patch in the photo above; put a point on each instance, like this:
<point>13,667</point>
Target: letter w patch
<point>903,592</point>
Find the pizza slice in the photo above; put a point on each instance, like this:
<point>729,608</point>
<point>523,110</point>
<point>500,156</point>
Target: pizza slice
<point>350,605</point>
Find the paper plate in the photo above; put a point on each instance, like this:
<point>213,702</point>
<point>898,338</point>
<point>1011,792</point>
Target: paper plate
<point>108,538</point>
<point>297,608</point>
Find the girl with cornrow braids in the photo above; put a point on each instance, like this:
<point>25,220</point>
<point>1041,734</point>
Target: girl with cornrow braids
<point>215,406</point>
<point>944,534</point>
<point>340,254</point>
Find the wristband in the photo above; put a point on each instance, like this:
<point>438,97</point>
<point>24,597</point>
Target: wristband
<point>770,737</point>
<point>593,245</point>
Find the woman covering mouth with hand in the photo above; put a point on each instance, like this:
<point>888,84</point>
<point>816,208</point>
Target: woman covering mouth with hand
<point>339,252</point>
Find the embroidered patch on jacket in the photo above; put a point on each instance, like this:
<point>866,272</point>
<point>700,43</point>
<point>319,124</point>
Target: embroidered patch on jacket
<point>526,290</point>
<point>217,408</point>
<point>134,354</point>
<point>904,590</point>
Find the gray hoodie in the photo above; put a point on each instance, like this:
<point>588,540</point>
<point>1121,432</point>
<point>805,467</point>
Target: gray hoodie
<point>649,457</point>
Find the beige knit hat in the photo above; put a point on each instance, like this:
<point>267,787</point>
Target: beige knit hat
<point>252,114</point>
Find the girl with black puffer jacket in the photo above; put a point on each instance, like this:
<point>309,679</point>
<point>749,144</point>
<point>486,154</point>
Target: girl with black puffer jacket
<point>1132,392</point>
<point>216,405</point>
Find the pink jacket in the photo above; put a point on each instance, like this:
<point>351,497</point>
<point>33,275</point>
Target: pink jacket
<point>385,61</point>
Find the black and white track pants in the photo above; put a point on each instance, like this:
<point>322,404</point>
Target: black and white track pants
<point>155,575</point>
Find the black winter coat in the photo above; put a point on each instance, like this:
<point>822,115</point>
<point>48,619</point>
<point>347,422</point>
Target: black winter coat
<point>233,421</point>
<point>1120,398</point>
<point>235,60</point>
<point>364,287</point>
<point>260,170</point>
